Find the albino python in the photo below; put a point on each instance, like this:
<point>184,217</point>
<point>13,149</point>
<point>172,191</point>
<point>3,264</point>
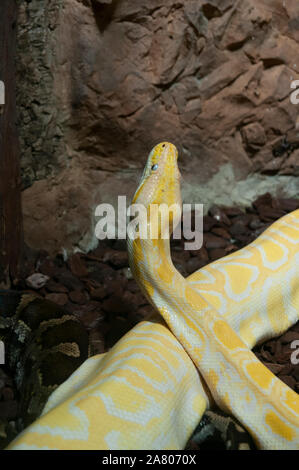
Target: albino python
<point>152,388</point>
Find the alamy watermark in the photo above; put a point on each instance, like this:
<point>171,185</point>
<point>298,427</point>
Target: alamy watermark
<point>2,353</point>
<point>295,94</point>
<point>295,354</point>
<point>147,223</point>
<point>2,93</point>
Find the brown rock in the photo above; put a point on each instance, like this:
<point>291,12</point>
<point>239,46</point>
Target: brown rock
<point>219,215</point>
<point>238,228</point>
<point>291,165</point>
<point>78,297</point>
<point>279,50</point>
<point>197,73</point>
<point>212,241</point>
<point>57,298</point>
<point>269,214</point>
<point>101,272</point>
<point>53,286</point>
<point>221,76</point>
<point>263,200</point>
<point>37,280</point>
<point>99,293</point>
<point>69,280</point>
<point>217,253</point>
<point>233,211</point>
<point>77,265</point>
<point>118,259</point>
<point>115,287</point>
<point>254,135</point>
<point>222,232</point>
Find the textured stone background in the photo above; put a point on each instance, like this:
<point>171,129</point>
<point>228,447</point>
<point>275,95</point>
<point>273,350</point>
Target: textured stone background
<point>101,82</point>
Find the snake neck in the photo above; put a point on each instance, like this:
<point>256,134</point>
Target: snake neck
<point>239,380</point>
<point>152,267</point>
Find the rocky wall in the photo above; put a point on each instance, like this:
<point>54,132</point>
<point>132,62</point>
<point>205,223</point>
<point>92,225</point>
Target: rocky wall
<point>101,82</point>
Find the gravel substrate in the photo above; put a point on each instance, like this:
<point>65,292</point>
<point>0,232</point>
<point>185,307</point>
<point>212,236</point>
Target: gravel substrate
<point>98,288</point>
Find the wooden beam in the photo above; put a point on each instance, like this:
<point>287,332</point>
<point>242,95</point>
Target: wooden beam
<point>11,233</point>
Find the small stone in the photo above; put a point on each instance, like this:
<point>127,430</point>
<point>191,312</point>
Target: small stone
<point>213,241</point>
<point>37,280</point>
<point>118,259</point>
<point>77,265</point>
<point>101,272</point>
<point>219,215</point>
<point>57,298</point>
<point>115,287</point>
<point>78,297</point>
<point>99,293</point>
<point>232,211</point>
<point>264,199</point>
<point>254,135</point>
<point>222,232</point>
<point>69,280</point>
<point>268,213</point>
<point>238,228</point>
<point>53,286</point>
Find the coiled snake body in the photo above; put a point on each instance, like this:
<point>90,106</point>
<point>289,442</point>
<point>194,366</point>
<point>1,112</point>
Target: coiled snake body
<point>150,390</point>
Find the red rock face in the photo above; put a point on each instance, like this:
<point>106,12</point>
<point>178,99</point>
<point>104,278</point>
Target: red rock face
<point>213,77</point>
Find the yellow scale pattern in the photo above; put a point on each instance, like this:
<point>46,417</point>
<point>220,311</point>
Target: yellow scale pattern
<point>149,391</point>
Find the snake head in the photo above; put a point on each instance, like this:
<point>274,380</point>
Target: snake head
<point>159,188</point>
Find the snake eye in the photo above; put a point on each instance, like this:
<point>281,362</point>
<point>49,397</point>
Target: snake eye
<point>154,167</point>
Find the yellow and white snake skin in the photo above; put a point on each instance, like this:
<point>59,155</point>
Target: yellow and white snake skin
<point>151,389</point>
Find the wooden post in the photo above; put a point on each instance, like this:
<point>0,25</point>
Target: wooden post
<point>11,233</point>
